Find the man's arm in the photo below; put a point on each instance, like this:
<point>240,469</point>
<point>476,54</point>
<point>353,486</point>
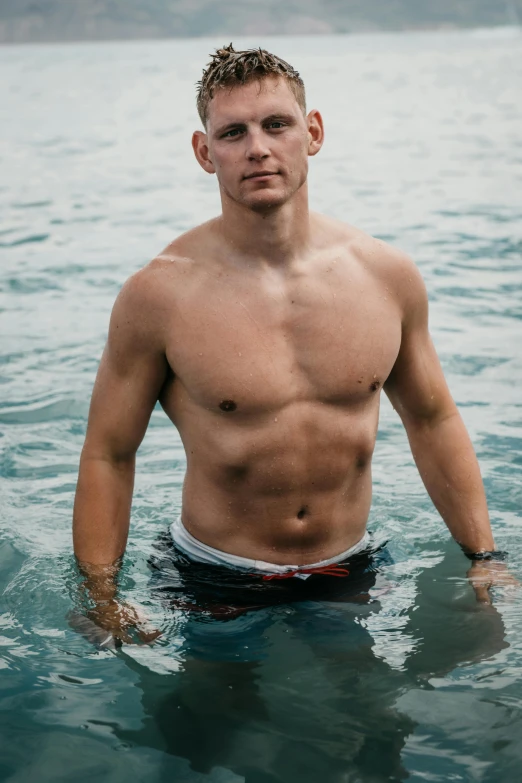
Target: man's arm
<point>438,438</point>
<point>131,373</point>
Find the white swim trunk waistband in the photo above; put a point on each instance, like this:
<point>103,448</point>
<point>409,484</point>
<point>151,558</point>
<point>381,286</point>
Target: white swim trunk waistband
<point>202,553</point>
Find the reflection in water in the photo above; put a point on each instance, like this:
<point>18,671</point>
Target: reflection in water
<point>297,692</point>
<point>430,160</point>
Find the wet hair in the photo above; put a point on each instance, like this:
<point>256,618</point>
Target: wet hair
<point>229,68</point>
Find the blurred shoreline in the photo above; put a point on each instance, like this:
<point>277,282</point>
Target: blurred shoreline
<point>74,21</point>
<point>500,31</point>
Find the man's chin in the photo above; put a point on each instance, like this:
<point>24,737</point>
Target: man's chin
<point>265,201</point>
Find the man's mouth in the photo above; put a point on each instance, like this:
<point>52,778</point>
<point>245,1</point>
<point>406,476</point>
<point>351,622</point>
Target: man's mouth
<point>260,175</point>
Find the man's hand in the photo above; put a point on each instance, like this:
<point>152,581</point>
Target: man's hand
<point>111,623</point>
<point>485,574</point>
<point>124,622</point>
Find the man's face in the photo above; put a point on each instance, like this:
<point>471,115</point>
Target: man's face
<point>258,142</point>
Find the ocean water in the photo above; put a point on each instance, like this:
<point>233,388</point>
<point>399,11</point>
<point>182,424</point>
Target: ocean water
<point>424,149</point>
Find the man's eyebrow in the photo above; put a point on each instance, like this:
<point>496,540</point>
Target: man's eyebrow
<point>228,126</point>
<point>277,116</point>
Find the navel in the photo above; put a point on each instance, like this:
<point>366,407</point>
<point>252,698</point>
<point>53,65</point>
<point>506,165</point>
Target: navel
<point>301,513</point>
<point>228,405</point>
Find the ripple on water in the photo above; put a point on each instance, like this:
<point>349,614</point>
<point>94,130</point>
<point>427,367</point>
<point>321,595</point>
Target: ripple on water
<point>25,240</point>
<point>32,204</point>
<point>120,191</point>
<point>35,412</point>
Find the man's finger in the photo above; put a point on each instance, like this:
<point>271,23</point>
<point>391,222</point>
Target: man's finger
<point>148,636</point>
<point>93,633</point>
<point>482,592</point>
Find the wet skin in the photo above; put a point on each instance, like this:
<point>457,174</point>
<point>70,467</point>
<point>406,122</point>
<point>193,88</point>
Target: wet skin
<point>267,335</point>
<point>272,377</point>
<point>278,408</point>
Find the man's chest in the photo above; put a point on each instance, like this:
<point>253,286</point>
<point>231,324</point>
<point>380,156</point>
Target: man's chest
<point>318,342</point>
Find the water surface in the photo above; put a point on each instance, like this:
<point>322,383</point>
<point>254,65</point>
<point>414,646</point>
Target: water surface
<point>420,683</point>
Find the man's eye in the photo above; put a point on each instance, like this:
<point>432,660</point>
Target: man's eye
<point>276,124</point>
<point>232,133</point>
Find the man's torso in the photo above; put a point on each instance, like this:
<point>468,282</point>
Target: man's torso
<point>274,388</point>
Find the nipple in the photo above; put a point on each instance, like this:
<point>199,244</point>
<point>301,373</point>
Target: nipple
<point>228,405</point>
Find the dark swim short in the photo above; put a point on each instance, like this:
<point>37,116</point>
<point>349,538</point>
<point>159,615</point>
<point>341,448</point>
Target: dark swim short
<point>226,592</point>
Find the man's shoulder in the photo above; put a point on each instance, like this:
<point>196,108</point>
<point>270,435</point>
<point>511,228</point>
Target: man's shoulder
<point>387,266</point>
<point>382,260</point>
<point>160,279</point>
<point>387,261</point>
<point>184,252</point>
<point>367,248</point>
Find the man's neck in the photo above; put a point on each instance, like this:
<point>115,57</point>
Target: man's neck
<point>276,236</point>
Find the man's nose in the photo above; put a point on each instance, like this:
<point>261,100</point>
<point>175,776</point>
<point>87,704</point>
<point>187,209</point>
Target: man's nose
<point>257,148</point>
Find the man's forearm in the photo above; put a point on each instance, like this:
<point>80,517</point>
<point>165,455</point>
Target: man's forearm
<point>449,469</point>
<point>102,509</point>
<point>100,529</point>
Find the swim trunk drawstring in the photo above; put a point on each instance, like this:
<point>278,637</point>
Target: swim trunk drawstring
<point>329,570</point>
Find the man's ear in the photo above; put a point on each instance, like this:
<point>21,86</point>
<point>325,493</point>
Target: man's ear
<point>315,131</point>
<point>201,151</point>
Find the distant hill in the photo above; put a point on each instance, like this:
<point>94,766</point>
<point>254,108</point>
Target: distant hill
<point>78,20</point>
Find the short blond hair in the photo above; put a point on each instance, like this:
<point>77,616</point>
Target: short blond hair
<point>231,68</point>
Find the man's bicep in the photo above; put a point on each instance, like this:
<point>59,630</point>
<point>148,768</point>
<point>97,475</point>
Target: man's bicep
<point>416,386</point>
<point>132,371</point>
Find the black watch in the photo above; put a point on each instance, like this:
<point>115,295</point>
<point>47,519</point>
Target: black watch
<point>493,554</point>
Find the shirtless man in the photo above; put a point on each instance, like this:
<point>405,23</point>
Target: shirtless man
<point>267,335</point>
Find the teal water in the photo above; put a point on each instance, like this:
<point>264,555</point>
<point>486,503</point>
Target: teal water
<point>419,683</point>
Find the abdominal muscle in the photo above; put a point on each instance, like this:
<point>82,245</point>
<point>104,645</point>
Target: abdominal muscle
<point>287,487</point>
